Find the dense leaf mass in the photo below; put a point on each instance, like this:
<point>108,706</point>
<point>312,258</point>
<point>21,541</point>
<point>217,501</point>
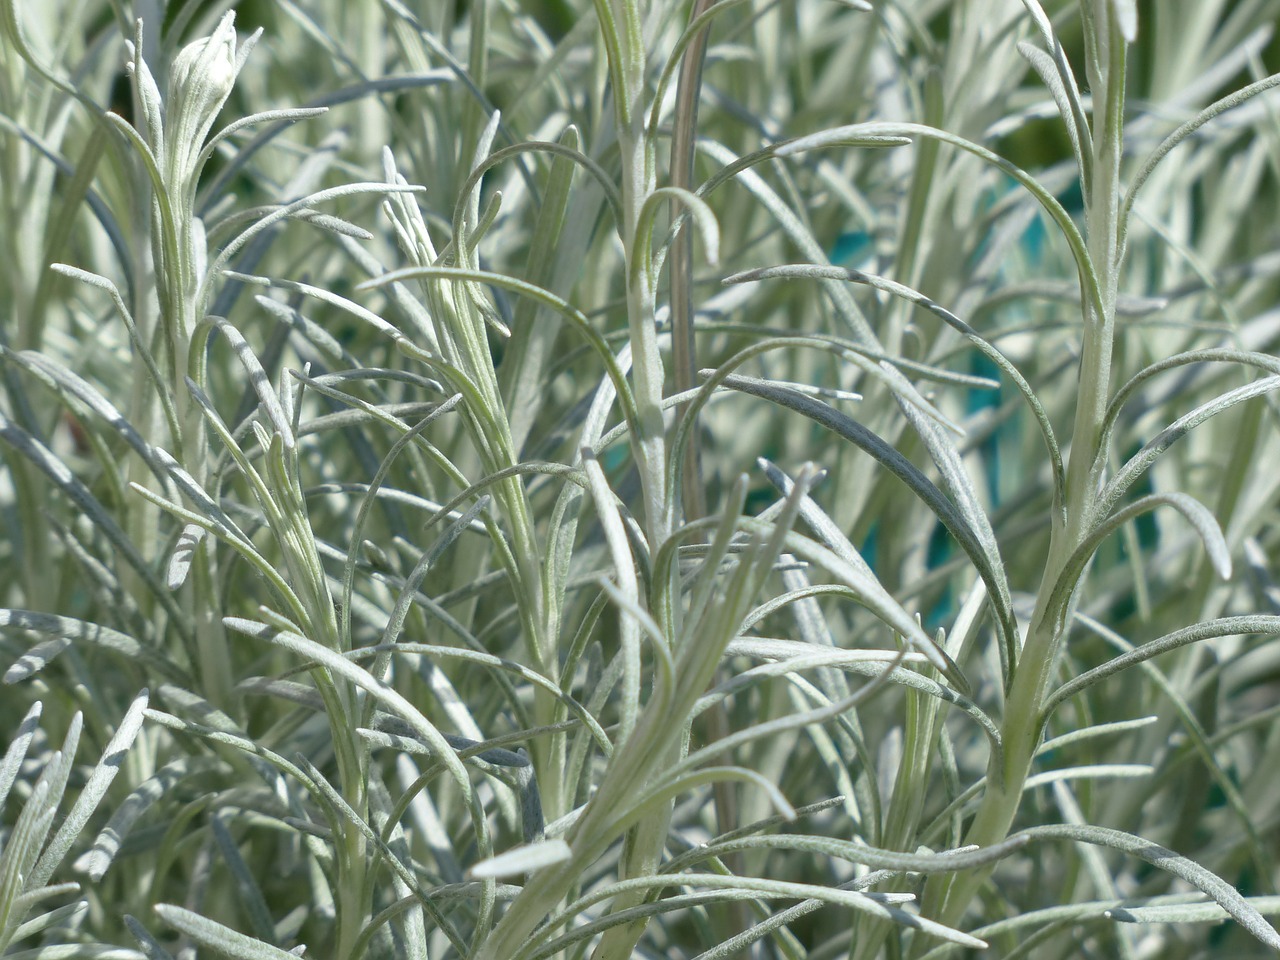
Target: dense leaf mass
<point>522,479</point>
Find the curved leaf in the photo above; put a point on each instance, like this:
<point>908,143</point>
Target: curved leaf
<point>1214,355</point>
<point>1213,886</point>
<point>808,271</point>
<point>1197,514</point>
<point>1185,130</point>
<point>769,889</point>
<point>1140,461</point>
<point>904,470</point>
<point>1225,627</point>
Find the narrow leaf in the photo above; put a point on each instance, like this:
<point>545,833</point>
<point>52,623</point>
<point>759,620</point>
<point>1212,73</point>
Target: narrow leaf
<point>524,859</point>
<point>210,933</point>
<point>92,792</point>
<point>1213,886</point>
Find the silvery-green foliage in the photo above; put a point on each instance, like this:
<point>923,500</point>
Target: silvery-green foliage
<point>601,478</point>
<point>33,849</point>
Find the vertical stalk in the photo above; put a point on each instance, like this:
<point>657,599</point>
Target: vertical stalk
<point>684,363</point>
<point>642,848</point>
<point>684,356</point>
<point>18,280</point>
<point>624,42</point>
<point>474,117</point>
<point>947,898</point>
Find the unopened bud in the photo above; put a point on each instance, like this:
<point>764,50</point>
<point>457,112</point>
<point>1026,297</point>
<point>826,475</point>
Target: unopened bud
<point>201,80</point>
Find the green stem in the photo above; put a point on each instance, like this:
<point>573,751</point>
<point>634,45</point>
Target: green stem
<point>625,46</point>
<point>947,898</point>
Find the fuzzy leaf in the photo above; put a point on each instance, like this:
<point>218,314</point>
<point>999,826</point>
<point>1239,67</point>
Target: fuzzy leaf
<point>210,933</point>
<point>529,858</point>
